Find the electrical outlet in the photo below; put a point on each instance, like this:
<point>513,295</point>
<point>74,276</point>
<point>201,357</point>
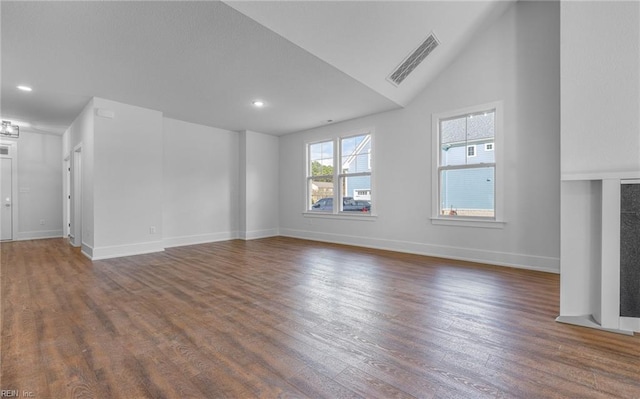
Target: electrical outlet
<point>41,222</point>
<point>152,230</point>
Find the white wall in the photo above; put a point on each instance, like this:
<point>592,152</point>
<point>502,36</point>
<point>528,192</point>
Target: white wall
<point>581,205</point>
<point>200,172</point>
<point>127,180</point>
<point>517,60</point>
<point>600,73</point>
<point>39,185</point>
<point>81,135</point>
<point>151,182</point>
<point>259,185</point>
<point>600,88</point>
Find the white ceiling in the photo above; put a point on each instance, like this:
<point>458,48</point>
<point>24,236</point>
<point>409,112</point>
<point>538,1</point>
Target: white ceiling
<point>368,40</point>
<point>205,62</point>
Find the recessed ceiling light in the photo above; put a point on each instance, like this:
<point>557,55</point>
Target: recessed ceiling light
<point>24,88</point>
<point>258,103</point>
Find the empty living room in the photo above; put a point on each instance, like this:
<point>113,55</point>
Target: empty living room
<point>199,199</point>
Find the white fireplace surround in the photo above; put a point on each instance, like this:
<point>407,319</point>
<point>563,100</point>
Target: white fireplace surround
<point>599,150</point>
<point>590,254</point>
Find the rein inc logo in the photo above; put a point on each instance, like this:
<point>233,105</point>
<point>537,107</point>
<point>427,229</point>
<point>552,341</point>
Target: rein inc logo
<point>15,393</point>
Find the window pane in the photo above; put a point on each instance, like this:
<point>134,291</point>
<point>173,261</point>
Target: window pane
<point>480,126</point>
<point>453,141</point>
<point>348,145</point>
<point>321,158</point>
<point>468,192</point>
<point>356,194</point>
<point>484,153</point>
<point>321,194</point>
<point>463,139</point>
<point>481,130</point>
<point>327,149</point>
<point>453,131</point>
<point>355,154</point>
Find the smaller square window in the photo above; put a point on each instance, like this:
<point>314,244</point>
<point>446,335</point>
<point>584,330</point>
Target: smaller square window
<point>488,147</point>
<point>471,151</point>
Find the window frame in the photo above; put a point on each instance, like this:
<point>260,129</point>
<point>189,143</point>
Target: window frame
<point>337,212</point>
<point>310,177</point>
<point>497,221</point>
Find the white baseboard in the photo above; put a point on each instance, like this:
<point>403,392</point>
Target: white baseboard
<point>117,251</point>
<point>37,235</point>
<point>529,262</point>
<point>86,250</point>
<point>199,239</point>
<point>630,323</point>
<point>256,234</point>
<point>590,322</point>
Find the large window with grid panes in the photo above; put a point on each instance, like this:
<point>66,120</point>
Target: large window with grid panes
<point>339,175</point>
<point>467,177</point>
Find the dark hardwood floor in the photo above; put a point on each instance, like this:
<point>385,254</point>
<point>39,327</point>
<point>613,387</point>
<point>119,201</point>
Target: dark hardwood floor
<point>282,317</point>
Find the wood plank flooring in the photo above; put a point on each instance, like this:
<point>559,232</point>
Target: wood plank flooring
<point>289,318</point>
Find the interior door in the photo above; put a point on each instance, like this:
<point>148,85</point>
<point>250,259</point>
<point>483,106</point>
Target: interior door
<point>6,199</point>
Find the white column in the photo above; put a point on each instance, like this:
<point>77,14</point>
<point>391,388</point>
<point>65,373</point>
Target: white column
<point>610,283</point>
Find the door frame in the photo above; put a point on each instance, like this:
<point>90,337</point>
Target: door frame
<point>13,155</point>
<point>66,200</point>
<point>76,197</point>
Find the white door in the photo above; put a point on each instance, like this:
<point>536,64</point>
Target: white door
<point>67,198</point>
<point>6,199</point>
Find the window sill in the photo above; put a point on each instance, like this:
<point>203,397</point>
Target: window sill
<point>467,222</point>
<point>341,216</point>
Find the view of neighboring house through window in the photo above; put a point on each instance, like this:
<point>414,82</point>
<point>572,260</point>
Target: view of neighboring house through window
<point>320,174</point>
<point>350,181</point>
<point>467,165</point>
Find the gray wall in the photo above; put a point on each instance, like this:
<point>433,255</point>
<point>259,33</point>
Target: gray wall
<point>39,185</point>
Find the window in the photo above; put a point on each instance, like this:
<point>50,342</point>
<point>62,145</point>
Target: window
<point>465,177</point>
<point>471,151</point>
<point>320,176</point>
<point>364,194</point>
<point>340,168</point>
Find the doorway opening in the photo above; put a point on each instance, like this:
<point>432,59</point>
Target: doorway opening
<point>8,190</point>
<point>66,217</point>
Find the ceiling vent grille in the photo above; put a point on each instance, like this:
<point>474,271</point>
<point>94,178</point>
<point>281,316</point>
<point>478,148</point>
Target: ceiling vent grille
<point>413,60</point>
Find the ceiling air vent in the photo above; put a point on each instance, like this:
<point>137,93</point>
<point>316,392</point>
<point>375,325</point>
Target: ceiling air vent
<point>413,60</point>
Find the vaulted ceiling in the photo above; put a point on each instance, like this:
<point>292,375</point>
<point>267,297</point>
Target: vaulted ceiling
<point>206,61</point>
